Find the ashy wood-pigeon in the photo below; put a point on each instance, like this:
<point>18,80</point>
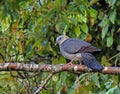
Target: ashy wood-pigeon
<point>78,50</point>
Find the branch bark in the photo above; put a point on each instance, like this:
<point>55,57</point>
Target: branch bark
<point>54,68</point>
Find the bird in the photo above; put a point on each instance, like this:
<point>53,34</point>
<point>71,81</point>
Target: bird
<point>77,50</point>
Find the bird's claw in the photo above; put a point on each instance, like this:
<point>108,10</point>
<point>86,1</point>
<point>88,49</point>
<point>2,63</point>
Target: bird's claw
<point>70,63</point>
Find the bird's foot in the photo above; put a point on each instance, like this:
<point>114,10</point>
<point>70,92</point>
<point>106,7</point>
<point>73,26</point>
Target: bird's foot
<point>69,63</point>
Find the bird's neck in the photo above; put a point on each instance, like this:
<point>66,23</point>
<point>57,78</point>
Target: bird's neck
<point>63,40</point>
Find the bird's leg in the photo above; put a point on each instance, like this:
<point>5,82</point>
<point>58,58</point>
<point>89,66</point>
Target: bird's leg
<point>70,63</point>
<point>80,62</point>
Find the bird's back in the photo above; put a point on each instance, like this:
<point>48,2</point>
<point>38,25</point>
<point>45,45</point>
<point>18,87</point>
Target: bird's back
<point>73,46</point>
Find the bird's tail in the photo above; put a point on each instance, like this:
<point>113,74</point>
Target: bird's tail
<point>90,61</point>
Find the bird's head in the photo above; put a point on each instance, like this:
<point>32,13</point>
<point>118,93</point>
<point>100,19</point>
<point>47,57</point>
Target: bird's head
<point>60,39</point>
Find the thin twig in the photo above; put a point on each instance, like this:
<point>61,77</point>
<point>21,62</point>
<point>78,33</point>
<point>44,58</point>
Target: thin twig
<point>118,54</point>
<point>43,83</point>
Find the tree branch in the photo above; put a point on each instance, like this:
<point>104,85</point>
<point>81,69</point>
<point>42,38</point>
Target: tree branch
<point>53,68</point>
<point>43,83</point>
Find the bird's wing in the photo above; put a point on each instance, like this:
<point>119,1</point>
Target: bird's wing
<point>87,49</point>
<point>73,46</point>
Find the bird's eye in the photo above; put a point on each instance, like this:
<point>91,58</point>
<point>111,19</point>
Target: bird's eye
<point>60,38</point>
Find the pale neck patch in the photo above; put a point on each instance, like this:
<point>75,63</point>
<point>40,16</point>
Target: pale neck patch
<point>63,40</point>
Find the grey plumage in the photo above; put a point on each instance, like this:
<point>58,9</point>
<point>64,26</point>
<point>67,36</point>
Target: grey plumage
<point>78,50</point>
<point>73,46</point>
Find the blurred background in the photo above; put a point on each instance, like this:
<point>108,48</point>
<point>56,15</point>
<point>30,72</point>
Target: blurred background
<point>28,29</point>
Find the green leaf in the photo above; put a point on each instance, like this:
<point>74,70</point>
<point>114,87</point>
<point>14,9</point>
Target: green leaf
<point>118,20</point>
<point>82,77</point>
<point>95,79</point>
<point>78,18</point>
<point>77,30</point>
<point>93,12</point>
<point>73,21</point>
<point>65,29</point>
<point>5,24</point>
<point>104,21</point>
<point>92,2</point>
<point>104,61</point>
<point>84,28</point>
<point>117,90</point>
<point>112,16</point>
<point>104,31</point>
<point>65,19</point>
<point>58,3</point>
<point>72,90</point>
<point>61,82</point>
<point>111,2</point>
<point>109,40</point>
<point>111,90</point>
<point>108,84</point>
<point>83,18</point>
<point>57,27</point>
<point>62,60</point>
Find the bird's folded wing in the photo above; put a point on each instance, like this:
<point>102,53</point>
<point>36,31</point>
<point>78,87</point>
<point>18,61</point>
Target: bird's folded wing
<point>73,46</point>
<point>87,49</point>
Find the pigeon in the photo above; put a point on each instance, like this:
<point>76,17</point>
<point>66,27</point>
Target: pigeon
<point>77,50</point>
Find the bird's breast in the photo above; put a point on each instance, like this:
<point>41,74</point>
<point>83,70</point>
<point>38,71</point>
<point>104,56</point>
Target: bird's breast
<point>75,57</point>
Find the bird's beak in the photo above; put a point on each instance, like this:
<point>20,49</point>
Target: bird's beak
<point>56,43</point>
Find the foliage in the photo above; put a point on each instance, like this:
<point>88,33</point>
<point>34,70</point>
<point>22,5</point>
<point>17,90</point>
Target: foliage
<point>28,29</point>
